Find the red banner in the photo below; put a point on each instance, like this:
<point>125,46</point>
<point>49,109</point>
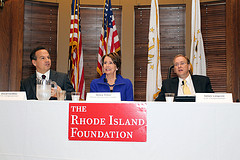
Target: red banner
<point>108,122</point>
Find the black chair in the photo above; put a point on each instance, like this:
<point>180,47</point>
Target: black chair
<point>170,71</point>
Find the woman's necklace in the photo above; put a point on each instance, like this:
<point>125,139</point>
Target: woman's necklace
<point>112,85</point>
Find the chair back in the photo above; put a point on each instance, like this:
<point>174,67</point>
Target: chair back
<point>170,73</point>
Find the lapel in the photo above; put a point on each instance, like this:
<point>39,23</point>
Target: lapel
<point>52,75</point>
<point>175,85</point>
<point>33,83</point>
<point>172,86</point>
<point>196,84</point>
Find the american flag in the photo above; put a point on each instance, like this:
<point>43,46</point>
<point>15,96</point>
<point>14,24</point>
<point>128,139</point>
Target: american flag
<point>109,41</point>
<point>76,58</point>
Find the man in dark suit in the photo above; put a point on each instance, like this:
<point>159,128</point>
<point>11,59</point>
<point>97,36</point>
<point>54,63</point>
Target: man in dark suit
<point>41,60</point>
<point>185,83</point>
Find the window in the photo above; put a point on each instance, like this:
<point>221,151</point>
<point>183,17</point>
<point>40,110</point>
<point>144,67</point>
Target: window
<point>213,20</point>
<point>172,42</point>
<point>40,29</point>
<point>91,26</point>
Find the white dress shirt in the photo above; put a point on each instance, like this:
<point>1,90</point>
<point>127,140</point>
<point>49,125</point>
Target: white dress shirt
<point>39,75</point>
<point>189,83</point>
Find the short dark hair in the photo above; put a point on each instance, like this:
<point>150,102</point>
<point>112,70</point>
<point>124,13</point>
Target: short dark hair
<point>115,58</point>
<point>33,53</point>
<point>181,55</point>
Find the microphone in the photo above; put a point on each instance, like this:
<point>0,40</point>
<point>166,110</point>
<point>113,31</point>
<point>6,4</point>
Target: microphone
<point>105,80</point>
<point>43,76</point>
<point>182,83</point>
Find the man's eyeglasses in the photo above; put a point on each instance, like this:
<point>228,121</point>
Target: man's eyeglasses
<point>178,64</point>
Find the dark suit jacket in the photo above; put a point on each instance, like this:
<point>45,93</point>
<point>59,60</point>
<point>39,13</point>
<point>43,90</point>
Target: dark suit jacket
<point>62,80</point>
<point>201,84</point>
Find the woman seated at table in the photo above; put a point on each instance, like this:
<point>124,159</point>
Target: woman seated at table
<point>111,80</point>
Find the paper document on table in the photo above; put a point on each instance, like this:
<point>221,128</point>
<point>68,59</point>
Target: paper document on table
<point>214,97</point>
<point>104,97</point>
<point>13,95</point>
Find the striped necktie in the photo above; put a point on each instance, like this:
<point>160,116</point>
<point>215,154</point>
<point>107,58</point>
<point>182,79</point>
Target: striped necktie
<point>186,89</point>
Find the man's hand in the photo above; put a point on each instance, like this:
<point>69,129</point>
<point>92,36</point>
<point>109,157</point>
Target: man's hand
<point>54,91</point>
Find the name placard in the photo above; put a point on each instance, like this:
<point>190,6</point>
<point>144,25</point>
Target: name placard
<point>214,97</point>
<point>103,97</point>
<point>108,122</point>
<point>13,96</point>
